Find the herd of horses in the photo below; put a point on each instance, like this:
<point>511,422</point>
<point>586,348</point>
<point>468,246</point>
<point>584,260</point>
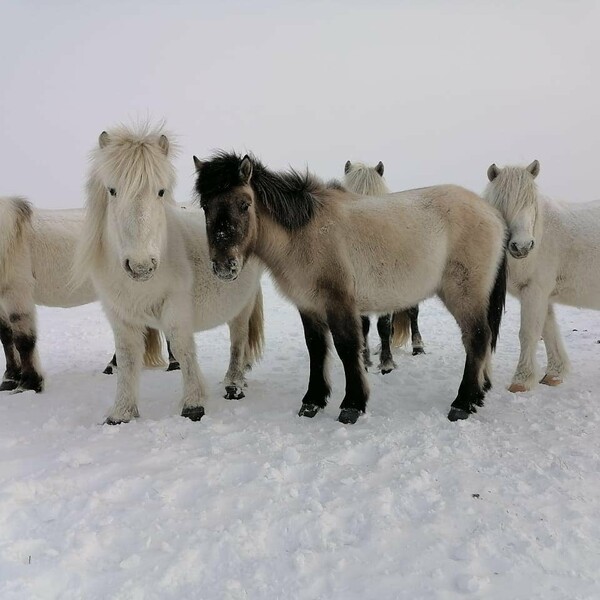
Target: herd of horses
<point>338,251</point>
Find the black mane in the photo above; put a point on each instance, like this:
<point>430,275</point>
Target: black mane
<point>291,198</point>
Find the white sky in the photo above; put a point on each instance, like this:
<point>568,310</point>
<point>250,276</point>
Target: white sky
<point>437,90</point>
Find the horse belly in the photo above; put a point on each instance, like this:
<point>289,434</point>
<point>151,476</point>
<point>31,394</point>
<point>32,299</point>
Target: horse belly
<point>396,286</point>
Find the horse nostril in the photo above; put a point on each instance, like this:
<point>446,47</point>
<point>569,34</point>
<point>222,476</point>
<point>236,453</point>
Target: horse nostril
<point>128,266</point>
<point>514,247</point>
<point>233,263</point>
<point>531,245</point>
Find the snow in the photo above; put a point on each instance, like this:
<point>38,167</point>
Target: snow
<point>254,502</point>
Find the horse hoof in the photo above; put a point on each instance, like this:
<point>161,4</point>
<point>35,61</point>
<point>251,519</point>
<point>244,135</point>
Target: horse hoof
<point>458,414</point>
<point>108,370</point>
<point>417,351</point>
<point>349,416</point>
<point>8,385</point>
<point>309,410</point>
<point>233,392</point>
<point>193,413</point>
<point>386,371</point>
<point>551,380</point>
<point>111,421</point>
<point>173,366</point>
<point>517,387</point>
<point>32,384</point>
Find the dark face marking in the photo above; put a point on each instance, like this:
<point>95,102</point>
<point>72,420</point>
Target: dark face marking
<point>228,227</point>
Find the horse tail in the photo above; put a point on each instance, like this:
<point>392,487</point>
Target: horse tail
<point>497,300</point>
<point>400,328</point>
<point>153,356</point>
<point>256,330</point>
<point>15,230</point>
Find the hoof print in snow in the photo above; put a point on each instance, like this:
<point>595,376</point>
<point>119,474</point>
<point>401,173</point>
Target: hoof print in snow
<point>308,410</point>
<point>458,414</point>
<point>349,416</point>
<point>233,392</point>
<point>194,413</point>
<point>174,366</point>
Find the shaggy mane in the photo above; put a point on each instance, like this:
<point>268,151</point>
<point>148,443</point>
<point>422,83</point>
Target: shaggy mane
<point>132,162</point>
<point>365,180</point>
<point>512,191</point>
<point>291,198</point>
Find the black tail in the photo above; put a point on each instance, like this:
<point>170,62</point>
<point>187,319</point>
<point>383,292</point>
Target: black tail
<point>497,301</point>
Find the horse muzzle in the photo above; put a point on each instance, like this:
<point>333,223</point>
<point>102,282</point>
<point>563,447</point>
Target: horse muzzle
<point>227,270</point>
<point>520,250</point>
<point>140,271</point>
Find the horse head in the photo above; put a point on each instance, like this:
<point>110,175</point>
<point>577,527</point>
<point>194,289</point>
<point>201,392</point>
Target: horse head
<point>513,192</point>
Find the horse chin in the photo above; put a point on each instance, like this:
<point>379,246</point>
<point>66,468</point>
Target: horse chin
<point>227,276</point>
<point>518,256</point>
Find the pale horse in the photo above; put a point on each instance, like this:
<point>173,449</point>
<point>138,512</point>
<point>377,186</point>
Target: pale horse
<point>36,254</point>
<point>553,258</point>
<point>149,262</point>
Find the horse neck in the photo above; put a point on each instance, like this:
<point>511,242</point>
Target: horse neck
<point>271,240</point>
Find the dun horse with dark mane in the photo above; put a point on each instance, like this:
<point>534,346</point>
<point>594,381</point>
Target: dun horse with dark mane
<point>337,255</point>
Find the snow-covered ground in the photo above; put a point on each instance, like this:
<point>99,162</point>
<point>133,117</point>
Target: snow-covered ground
<point>254,502</point>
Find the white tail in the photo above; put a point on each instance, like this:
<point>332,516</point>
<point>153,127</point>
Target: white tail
<point>15,230</point>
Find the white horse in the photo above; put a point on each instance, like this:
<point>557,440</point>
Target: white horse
<point>36,255</point>
<point>149,262</point>
<point>553,258</point>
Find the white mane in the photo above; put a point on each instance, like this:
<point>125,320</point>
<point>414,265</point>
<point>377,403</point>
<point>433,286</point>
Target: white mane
<point>511,192</point>
<point>133,162</point>
<point>365,180</point>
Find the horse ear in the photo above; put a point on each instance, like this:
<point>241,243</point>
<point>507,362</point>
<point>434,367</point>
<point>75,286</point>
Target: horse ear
<point>163,143</point>
<point>246,169</point>
<point>198,164</point>
<point>103,139</point>
<point>492,172</point>
<point>379,168</point>
<point>534,168</point>
<point>347,167</point>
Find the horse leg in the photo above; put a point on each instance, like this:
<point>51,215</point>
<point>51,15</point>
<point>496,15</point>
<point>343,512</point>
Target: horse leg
<point>194,387</point>
<point>12,374</point>
<point>22,319</point>
<point>476,339</point>
<point>111,366</point>
<point>345,329</point>
<point>534,310</point>
<point>366,325</point>
<point>315,334</point>
<point>384,329</point>
<point>129,343</point>
<point>238,334</point>
<point>417,341</point>
<point>558,361</point>
<point>173,364</point>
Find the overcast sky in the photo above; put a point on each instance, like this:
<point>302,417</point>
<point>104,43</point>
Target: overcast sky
<point>437,90</point>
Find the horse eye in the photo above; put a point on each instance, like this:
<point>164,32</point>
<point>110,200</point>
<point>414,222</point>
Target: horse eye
<point>112,191</point>
<point>161,193</point>
<point>245,206</point>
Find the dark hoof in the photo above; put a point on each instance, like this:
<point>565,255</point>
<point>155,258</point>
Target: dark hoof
<point>109,421</point>
<point>8,385</point>
<point>458,414</point>
<point>174,366</point>
<point>386,371</point>
<point>417,351</point>
<point>35,384</point>
<point>487,385</point>
<point>478,402</point>
<point>108,370</point>
<point>309,410</point>
<point>233,392</point>
<point>349,416</point>
<point>193,413</point>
